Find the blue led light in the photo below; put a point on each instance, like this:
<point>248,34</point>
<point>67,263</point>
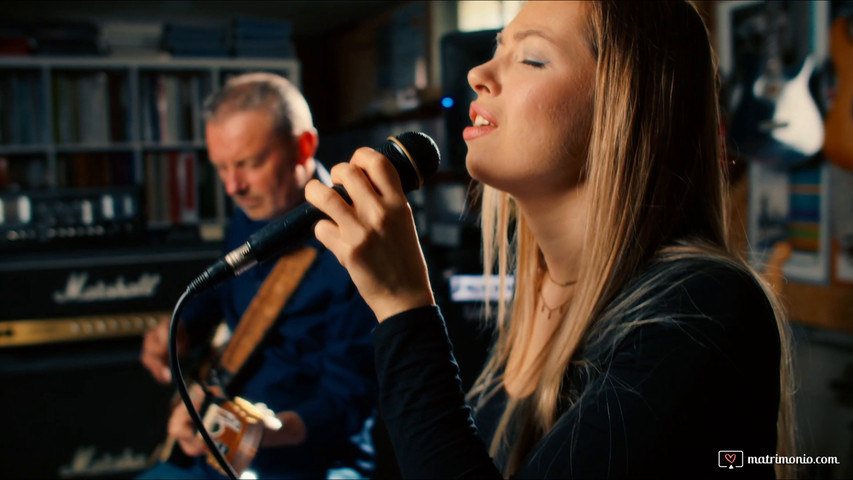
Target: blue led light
<point>447,102</point>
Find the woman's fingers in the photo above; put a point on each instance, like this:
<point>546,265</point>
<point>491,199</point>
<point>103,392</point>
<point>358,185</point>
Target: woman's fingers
<point>380,172</point>
<point>368,177</point>
<point>374,238</point>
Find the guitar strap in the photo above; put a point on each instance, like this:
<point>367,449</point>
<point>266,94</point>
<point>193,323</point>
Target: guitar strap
<point>257,320</point>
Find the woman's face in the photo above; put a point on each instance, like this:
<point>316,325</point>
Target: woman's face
<point>533,109</point>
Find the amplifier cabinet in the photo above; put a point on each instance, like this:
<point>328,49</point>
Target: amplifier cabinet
<point>48,299</point>
<point>79,410</point>
<point>77,401</point>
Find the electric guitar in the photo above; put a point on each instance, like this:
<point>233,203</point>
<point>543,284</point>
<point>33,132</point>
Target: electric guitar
<point>777,120</point>
<point>236,427</point>
<point>838,144</point>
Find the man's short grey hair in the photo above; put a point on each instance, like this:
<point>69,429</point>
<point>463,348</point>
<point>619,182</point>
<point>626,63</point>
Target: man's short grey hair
<point>263,91</point>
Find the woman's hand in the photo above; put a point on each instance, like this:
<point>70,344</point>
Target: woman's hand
<point>374,238</point>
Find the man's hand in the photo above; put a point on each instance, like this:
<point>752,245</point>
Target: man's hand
<point>181,426</point>
<point>292,431</point>
<point>155,350</point>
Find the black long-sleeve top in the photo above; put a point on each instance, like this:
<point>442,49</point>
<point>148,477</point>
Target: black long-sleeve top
<point>670,399</point>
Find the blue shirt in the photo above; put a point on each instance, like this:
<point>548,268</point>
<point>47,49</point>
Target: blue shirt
<point>317,360</point>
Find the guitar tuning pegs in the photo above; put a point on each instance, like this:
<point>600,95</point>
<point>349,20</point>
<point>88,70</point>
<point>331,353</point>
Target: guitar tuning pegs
<point>259,411</point>
<point>270,420</point>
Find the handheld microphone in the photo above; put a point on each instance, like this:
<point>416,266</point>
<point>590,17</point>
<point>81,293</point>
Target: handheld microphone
<point>413,154</point>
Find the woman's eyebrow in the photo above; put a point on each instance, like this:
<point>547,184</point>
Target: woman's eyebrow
<point>499,37</point>
<point>533,33</point>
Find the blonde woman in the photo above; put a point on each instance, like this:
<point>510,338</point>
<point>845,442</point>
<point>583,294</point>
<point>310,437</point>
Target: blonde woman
<point>636,343</point>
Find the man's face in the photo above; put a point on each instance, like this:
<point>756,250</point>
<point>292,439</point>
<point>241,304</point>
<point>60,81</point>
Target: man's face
<point>256,168</point>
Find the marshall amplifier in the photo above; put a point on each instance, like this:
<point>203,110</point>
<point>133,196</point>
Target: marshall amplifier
<point>63,219</point>
<point>56,298</point>
<point>77,401</point>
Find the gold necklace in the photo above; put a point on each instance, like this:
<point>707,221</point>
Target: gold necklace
<point>558,283</point>
<point>561,308</point>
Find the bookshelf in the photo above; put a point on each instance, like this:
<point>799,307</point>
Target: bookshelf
<point>112,124</point>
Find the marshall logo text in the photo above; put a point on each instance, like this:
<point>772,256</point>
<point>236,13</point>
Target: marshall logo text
<point>76,289</point>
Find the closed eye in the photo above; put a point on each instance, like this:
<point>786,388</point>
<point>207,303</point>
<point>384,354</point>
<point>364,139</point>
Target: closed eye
<point>534,63</point>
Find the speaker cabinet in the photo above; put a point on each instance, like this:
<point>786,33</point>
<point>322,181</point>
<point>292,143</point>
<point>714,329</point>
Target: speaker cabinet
<point>79,410</point>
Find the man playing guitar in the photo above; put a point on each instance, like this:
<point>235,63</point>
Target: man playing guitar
<point>311,363</point>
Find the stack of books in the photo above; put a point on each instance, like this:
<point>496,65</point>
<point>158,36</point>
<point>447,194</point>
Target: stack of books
<point>183,40</point>
<point>67,38</point>
<point>131,38</point>
<point>15,40</point>
<point>261,38</point>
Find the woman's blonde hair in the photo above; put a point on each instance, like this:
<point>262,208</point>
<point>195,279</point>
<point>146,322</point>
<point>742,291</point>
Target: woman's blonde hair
<point>657,185</point>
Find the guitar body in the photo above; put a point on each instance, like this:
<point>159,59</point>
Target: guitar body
<point>838,144</point>
<point>236,427</point>
<point>777,121</point>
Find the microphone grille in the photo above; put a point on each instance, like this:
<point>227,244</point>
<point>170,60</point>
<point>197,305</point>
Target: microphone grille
<point>423,150</point>
<point>414,155</point>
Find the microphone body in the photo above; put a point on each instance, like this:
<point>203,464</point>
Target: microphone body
<point>271,240</point>
<point>414,156</point>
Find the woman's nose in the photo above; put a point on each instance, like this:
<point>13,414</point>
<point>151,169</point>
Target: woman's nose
<point>481,78</point>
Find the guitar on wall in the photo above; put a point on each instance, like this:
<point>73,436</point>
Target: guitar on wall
<point>777,120</point>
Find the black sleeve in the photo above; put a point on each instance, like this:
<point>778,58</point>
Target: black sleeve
<point>672,396</point>
<point>677,392</point>
<point>422,402</point>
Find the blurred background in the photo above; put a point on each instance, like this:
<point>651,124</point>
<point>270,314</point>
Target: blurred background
<point>108,206</point>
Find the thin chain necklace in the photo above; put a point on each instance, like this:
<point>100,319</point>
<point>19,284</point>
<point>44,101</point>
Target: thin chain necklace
<point>559,283</point>
<point>561,308</point>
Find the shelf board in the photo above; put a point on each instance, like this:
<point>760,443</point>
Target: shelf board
<point>173,146</point>
<point>157,61</point>
<point>93,147</point>
<point>43,149</point>
<point>37,149</point>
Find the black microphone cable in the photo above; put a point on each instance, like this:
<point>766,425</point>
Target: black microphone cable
<point>178,376</point>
